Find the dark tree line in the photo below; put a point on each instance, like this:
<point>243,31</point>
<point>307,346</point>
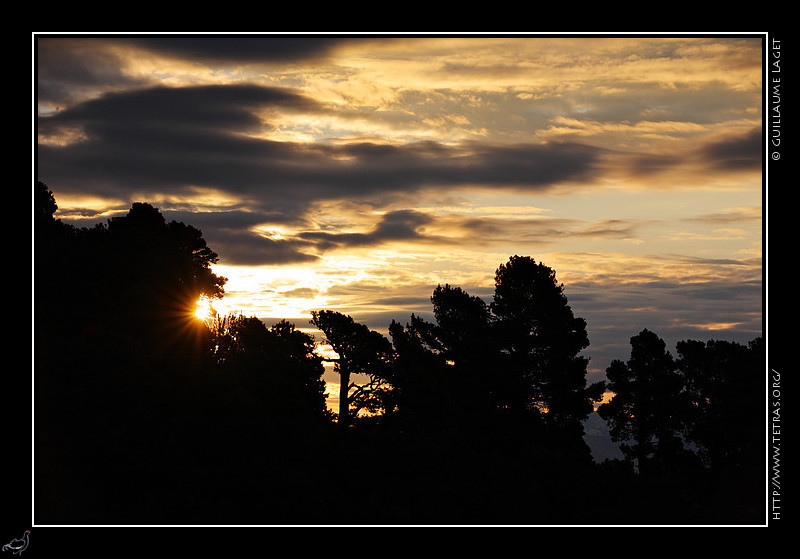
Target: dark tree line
<point>145,414</point>
<point>669,412</point>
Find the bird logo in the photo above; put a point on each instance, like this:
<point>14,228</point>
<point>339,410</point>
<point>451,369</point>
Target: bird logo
<point>17,546</point>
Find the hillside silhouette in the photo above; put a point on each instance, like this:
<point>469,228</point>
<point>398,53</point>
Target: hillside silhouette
<point>146,415</point>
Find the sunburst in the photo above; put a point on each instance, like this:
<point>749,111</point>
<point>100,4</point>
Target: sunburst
<point>203,309</point>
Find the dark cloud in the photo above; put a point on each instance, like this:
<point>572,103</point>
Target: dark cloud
<point>168,111</point>
<point>400,225</point>
<point>241,247</point>
<point>530,165</point>
<point>168,139</point>
<point>736,152</point>
<point>230,234</point>
<point>65,68</point>
<point>164,139</point>
<point>724,154</point>
<point>228,219</point>
<point>255,48</point>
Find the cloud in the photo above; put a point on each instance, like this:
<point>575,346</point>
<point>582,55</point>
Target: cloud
<point>453,230</point>
<point>301,293</point>
<point>228,219</point>
<point>236,237</point>
<point>541,230</point>
<point>249,248</point>
<point>673,309</point>
<point>171,139</point>
<point>707,158</point>
<point>735,152</point>
<point>246,247</point>
<point>69,69</point>
<point>168,112</point>
<point>402,225</point>
<point>729,218</point>
<point>167,139</point>
<point>241,49</point>
<point>66,70</point>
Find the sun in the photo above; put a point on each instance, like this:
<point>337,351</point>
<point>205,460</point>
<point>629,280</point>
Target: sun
<point>203,309</point>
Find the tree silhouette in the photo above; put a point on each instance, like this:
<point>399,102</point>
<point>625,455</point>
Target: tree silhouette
<point>464,329</point>
<point>44,204</point>
<point>295,355</point>
<point>540,341</point>
<point>167,266</point>
<point>647,410</point>
<point>466,339</point>
<point>448,369</point>
<point>422,378</point>
<point>277,366</point>
<point>361,352</point>
<point>723,381</point>
<point>515,357</point>
<point>114,340</point>
<point>136,277</point>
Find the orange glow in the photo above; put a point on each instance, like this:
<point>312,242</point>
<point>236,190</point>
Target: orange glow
<point>607,397</point>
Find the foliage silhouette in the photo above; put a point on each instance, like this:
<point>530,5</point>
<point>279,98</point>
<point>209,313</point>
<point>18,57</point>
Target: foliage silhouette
<point>722,383</point>
<point>445,370</point>
<point>516,358</point>
<point>277,365</point>
<point>541,342</point>
<point>146,415</point>
<point>361,352</point>
<point>648,406</point>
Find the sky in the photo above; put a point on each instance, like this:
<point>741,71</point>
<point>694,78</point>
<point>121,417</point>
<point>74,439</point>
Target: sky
<point>357,172</point>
